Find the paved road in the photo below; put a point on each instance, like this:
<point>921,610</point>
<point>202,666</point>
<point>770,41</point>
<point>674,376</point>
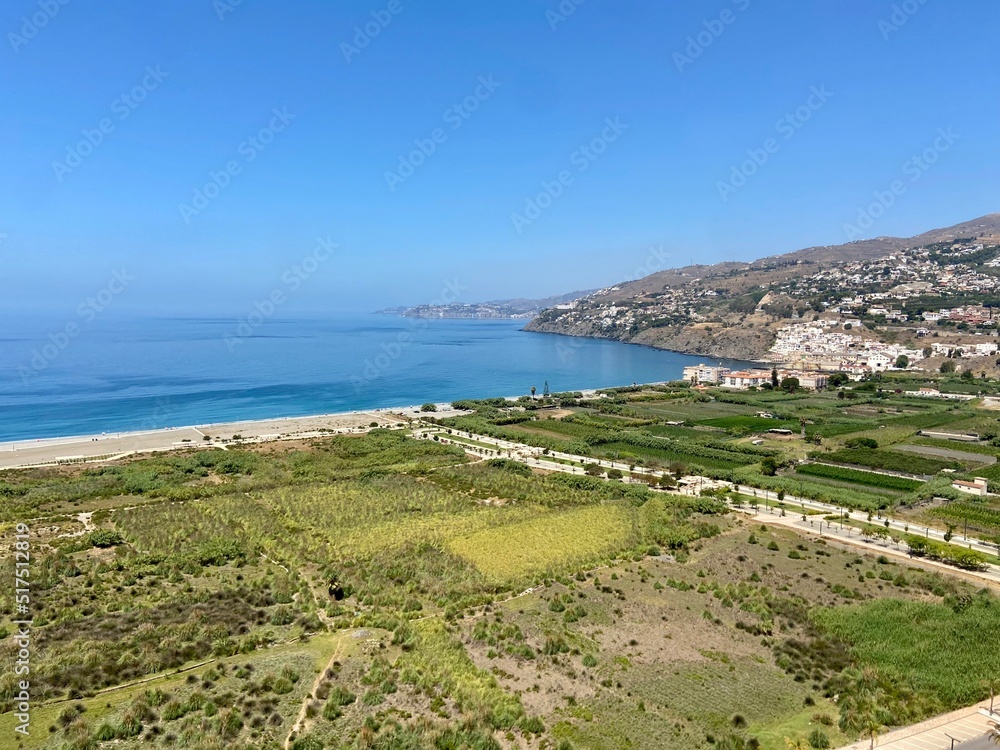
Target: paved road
<point>969,726</point>
<point>983,743</point>
<point>534,456</point>
<point>693,485</point>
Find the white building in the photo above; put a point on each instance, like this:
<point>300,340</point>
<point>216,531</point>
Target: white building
<point>705,374</point>
<point>743,379</point>
<point>977,486</point>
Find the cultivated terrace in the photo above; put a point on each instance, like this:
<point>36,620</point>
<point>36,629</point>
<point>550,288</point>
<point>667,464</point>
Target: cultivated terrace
<point>617,570</point>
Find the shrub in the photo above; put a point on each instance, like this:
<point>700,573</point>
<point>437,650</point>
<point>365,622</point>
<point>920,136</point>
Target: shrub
<point>105,538</point>
<point>308,742</point>
<point>341,696</point>
<point>532,725</point>
<point>949,554</point>
<point>861,442</point>
<point>819,739</point>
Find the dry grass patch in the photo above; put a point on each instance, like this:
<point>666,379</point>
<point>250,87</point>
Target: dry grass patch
<point>544,543</point>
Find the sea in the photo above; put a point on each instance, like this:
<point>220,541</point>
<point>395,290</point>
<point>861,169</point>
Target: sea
<point>116,374</point>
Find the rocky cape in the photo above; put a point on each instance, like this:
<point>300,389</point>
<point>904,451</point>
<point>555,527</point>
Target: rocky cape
<point>733,310</point>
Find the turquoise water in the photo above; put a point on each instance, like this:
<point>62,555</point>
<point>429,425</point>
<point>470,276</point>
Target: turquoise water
<point>117,375</point>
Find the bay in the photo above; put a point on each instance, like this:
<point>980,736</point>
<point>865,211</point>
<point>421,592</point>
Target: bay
<point>137,374</point>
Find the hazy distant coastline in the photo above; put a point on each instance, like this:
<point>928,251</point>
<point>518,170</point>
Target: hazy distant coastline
<point>503,309</point>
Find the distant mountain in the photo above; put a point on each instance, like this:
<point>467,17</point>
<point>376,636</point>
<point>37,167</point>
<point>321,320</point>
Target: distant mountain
<point>734,309</point>
<point>503,308</point>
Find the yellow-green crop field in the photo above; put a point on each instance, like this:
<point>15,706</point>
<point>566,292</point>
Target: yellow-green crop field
<point>545,543</point>
<point>370,591</point>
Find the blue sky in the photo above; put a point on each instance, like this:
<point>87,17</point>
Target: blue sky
<point>693,90</point>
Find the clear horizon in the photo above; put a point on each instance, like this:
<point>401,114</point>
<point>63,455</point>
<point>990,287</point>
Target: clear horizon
<point>383,153</point>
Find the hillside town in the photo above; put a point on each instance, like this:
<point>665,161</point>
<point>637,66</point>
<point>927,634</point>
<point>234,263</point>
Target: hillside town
<point>902,309</point>
<point>842,346</point>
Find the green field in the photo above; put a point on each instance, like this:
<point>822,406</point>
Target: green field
<point>546,544</point>
<point>378,591</point>
<point>939,650</point>
<point>888,460</point>
<point>854,476</point>
<point>980,516</point>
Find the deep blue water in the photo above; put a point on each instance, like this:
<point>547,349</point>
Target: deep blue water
<point>118,375</point>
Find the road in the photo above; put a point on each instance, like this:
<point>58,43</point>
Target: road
<point>958,455</point>
<point>968,726</point>
<point>692,485</point>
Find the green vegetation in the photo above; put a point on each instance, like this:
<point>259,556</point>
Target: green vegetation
<point>936,650</point>
<point>384,591</point>
<point>884,481</point>
<point>546,544</point>
<point>888,460</point>
<point>978,515</point>
<point>946,553</point>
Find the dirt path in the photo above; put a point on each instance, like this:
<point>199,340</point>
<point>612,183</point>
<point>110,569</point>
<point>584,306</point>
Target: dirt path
<point>88,526</point>
<point>300,721</point>
<point>928,450</point>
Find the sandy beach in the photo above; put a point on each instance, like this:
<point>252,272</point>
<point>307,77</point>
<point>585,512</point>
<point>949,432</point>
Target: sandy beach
<point>112,445</point>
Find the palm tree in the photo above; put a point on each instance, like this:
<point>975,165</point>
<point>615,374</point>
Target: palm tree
<point>799,744</point>
<point>994,734</point>
<point>862,709</point>
<point>991,686</point>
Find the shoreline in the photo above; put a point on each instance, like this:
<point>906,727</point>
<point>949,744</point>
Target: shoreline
<point>107,446</point>
<point>54,451</point>
<point>759,362</point>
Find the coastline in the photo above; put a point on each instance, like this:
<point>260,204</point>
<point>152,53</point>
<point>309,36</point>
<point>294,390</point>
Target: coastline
<point>111,445</point>
<point>58,451</point>
<point>707,357</point>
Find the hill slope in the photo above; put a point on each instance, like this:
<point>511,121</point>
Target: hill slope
<point>733,310</point>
